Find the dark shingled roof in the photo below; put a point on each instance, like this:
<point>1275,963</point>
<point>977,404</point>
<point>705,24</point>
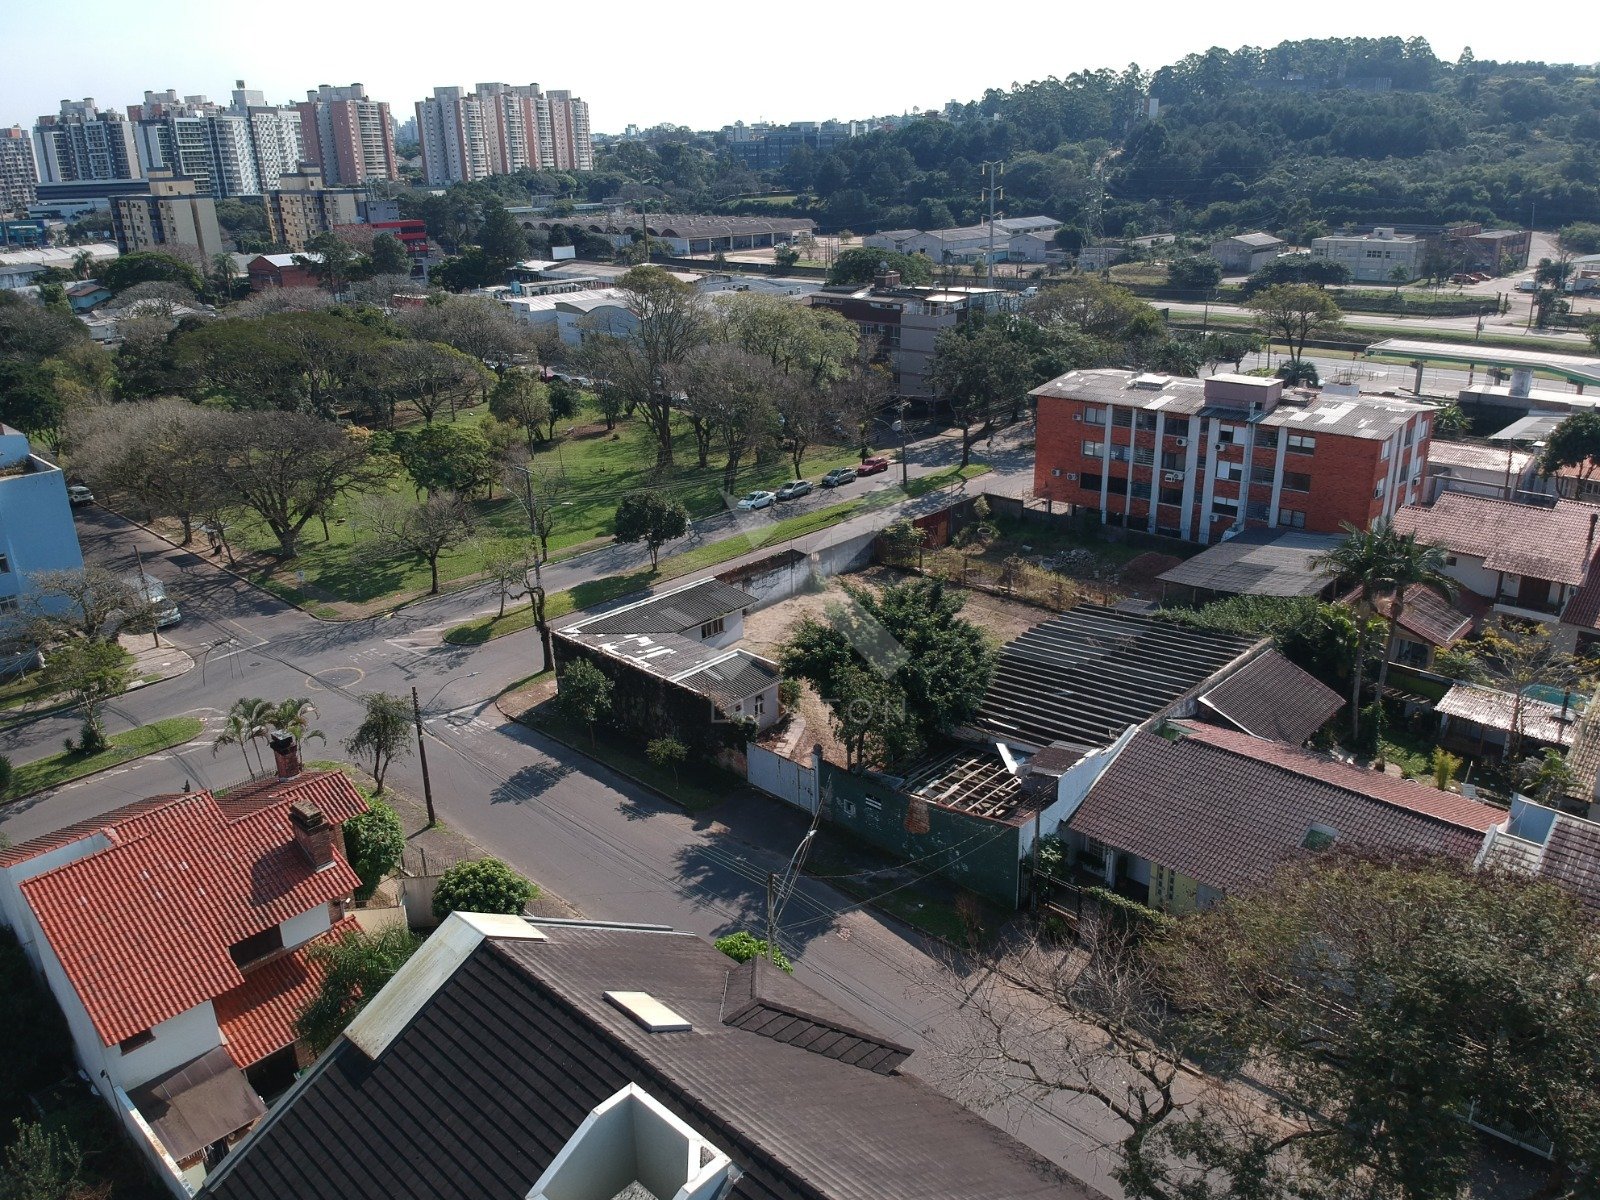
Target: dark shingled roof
<point>1225,808</point>
<point>474,1098</point>
<point>1272,698</point>
<point>764,999</point>
<point>671,612</point>
<point>1086,675</point>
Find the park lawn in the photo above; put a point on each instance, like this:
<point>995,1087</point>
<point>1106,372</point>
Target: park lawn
<point>600,467</point>
<point>135,743</point>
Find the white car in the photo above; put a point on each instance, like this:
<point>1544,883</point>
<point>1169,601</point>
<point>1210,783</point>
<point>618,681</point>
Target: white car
<point>78,494</point>
<point>756,500</point>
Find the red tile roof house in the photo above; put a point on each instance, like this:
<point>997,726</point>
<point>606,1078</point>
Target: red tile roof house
<point>1177,822</point>
<point>1532,562</point>
<point>174,933</point>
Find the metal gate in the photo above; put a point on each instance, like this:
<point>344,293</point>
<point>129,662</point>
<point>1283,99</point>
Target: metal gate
<point>781,777</point>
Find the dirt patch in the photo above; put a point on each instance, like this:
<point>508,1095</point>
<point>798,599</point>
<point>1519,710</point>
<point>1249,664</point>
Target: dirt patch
<point>1140,576</point>
<point>518,702</point>
<point>580,433</point>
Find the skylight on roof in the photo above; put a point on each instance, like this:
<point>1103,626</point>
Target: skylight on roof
<point>649,1012</point>
<point>1319,837</point>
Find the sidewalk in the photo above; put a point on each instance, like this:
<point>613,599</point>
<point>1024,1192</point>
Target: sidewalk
<point>151,664</point>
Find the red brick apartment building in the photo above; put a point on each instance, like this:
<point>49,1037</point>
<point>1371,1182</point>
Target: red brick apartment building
<point>1194,458</point>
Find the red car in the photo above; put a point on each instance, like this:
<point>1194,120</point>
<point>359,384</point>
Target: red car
<point>871,466</point>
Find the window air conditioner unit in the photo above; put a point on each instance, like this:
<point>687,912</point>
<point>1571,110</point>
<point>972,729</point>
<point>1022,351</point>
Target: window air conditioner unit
<point>1072,476</point>
<point>1173,476</point>
<point>1184,442</point>
<point>1077,416</point>
<point>1056,471</point>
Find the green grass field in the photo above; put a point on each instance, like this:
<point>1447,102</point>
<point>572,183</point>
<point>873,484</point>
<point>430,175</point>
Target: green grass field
<point>599,468</point>
<point>135,743</point>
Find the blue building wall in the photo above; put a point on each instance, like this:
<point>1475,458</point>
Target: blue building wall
<point>36,528</point>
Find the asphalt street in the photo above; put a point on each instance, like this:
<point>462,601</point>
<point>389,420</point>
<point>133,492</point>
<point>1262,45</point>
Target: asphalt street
<point>613,849</point>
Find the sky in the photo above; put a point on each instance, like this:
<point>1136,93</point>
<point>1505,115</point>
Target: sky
<point>701,63</point>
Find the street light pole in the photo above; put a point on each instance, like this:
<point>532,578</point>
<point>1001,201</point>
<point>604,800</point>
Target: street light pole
<point>422,758</point>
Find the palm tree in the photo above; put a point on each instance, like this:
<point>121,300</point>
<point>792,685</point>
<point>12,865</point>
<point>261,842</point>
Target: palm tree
<point>82,265</point>
<point>293,716</point>
<point>1363,560</point>
<point>248,721</point>
<point>235,732</point>
<point>1411,564</point>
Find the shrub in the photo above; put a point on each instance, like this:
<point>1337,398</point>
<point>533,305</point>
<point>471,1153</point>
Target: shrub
<point>1445,766</point>
<point>789,692</point>
<point>373,842</point>
<point>743,946</point>
<point>1050,855</point>
<point>485,885</point>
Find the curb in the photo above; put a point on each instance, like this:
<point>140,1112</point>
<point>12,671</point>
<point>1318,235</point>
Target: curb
<point>14,800</point>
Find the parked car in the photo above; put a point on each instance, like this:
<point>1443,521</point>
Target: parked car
<point>155,595</point>
<point>77,493</point>
<point>756,500</point>
<point>1527,285</point>
<point>837,476</point>
<point>794,489</point>
<point>871,466</point>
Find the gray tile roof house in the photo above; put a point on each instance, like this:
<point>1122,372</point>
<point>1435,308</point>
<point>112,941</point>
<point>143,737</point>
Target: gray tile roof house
<point>1272,698</point>
<point>1551,845</point>
<point>1225,808</point>
<point>496,1063</point>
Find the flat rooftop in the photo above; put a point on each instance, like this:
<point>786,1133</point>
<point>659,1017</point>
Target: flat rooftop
<point>1257,562</point>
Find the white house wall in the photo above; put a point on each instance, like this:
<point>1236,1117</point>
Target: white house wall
<point>305,927</point>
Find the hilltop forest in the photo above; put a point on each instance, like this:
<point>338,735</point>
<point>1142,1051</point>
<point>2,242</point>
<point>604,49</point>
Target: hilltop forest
<point>1298,138</point>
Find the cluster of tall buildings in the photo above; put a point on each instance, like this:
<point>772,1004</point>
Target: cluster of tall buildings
<point>240,149</point>
<point>498,128</point>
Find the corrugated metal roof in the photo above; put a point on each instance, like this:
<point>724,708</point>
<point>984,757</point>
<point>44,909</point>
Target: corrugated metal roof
<point>674,611</point>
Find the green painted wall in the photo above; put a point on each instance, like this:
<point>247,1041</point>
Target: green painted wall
<point>979,855</point>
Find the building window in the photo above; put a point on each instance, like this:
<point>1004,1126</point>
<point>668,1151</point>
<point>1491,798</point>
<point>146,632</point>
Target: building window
<point>1144,456</point>
<point>1262,475</point>
<point>1294,481</point>
<point>1257,510</point>
<point>1141,489</point>
<point>1122,418</point>
<point>1302,443</point>
<point>1119,454</point>
<point>1178,426</point>
<point>1266,437</point>
<point>1230,472</point>
<point>1226,435</point>
<point>1377,492</point>
<point>874,805</point>
<point>131,1043</point>
<point>256,947</point>
<point>1383,452</point>
<point>758,705</point>
<point>5,565</point>
<point>8,604</point>
<point>1291,518</point>
<point>1171,495</point>
<point>1145,420</point>
<point>1171,460</point>
<point>1089,483</point>
<point>1094,449</point>
<point>711,629</point>
<point>1226,503</point>
<point>1094,416</point>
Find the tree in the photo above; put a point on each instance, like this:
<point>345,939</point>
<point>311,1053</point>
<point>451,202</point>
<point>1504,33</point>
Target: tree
<point>1573,444</point>
<point>389,256</point>
<point>42,1164</point>
<point>651,518</point>
<point>156,452</point>
<point>584,693</point>
<point>666,753</point>
<point>813,343</point>
<point>1200,272</point>
<point>742,946</point>
<point>446,458</point>
<point>92,673</point>
<point>420,531</point>
<point>331,259</point>
<point>384,733</point>
<point>508,572</point>
<point>484,885</point>
<point>538,490</point>
<point>236,731</point>
<point>1547,778</point>
<point>862,264</point>
<point>727,394</point>
<point>92,604</point>
<point>785,257</point>
<point>1383,999</point>
<point>1295,312</point>
<point>287,468</point>
<point>1363,559</point>
<point>434,376</point>
<point>871,715</point>
<point>1411,564</point>
<point>565,399</point>
<point>520,399</point>
<point>373,843</point>
<point>354,969</point>
<point>501,238</point>
<point>146,266</point>
<point>1521,658</point>
<point>479,327</point>
<point>293,717</point>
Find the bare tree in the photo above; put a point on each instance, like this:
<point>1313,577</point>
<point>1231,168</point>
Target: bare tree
<point>154,452</point>
<point>538,490</point>
<point>421,531</point>
<point>434,376</point>
<point>508,572</point>
<point>91,604</point>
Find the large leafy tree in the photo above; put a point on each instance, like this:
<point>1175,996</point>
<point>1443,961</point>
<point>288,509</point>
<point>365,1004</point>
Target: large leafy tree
<point>354,969</point>
<point>446,458</point>
<point>1574,444</point>
<point>500,237</point>
<point>155,452</point>
<point>1295,312</point>
<point>652,518</point>
<point>146,266</point>
<point>861,264</point>
<point>384,733</point>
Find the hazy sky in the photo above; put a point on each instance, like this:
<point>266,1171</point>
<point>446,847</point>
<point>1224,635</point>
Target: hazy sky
<point>702,63</point>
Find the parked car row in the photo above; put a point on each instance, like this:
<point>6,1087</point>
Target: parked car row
<point>796,488</point>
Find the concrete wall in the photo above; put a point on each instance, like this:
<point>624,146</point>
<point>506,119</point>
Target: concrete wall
<point>181,1184</point>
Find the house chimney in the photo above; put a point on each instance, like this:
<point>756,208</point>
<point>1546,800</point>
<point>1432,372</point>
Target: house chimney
<point>287,753</point>
<point>313,833</point>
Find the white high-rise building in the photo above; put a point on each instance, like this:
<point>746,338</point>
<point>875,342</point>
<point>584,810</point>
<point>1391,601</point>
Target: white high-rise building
<point>500,128</point>
<point>454,136</point>
<point>18,175</point>
<point>83,143</point>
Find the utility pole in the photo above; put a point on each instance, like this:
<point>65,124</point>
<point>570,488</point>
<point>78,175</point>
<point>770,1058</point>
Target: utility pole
<point>900,424</point>
<point>780,889</point>
<point>422,757</point>
<point>144,594</point>
<point>993,192</point>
